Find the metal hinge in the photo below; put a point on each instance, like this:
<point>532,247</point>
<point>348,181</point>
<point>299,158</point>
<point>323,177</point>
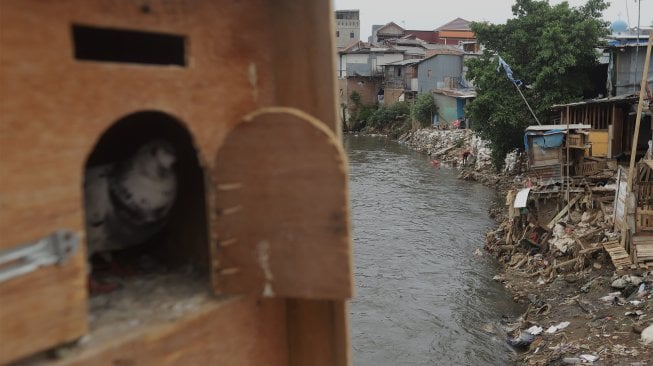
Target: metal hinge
<point>55,248</point>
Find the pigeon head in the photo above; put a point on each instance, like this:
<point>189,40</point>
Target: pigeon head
<point>157,156</point>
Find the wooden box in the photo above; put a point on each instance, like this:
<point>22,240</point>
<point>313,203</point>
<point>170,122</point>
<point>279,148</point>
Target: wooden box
<point>576,140</point>
<point>245,92</point>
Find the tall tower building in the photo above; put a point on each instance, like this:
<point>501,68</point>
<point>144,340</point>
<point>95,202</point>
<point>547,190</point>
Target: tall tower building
<point>348,28</point>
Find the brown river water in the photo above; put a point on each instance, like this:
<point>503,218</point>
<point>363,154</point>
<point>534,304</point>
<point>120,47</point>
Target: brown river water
<point>422,297</point>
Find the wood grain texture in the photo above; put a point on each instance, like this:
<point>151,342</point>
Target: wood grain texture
<point>241,56</point>
<point>305,58</point>
<point>54,108</point>
<point>43,309</point>
<point>318,333</point>
<point>282,214</point>
<point>237,331</point>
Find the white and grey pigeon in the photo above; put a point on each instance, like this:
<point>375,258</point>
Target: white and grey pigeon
<point>129,201</point>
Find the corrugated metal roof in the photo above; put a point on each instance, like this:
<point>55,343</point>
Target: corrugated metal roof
<point>558,127</point>
<point>617,98</point>
<point>412,50</point>
<point>403,62</point>
<point>428,36</point>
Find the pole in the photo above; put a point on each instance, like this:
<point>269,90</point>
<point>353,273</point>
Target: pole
<point>528,105</point>
<point>567,162</point>
<point>640,105</point>
<point>633,149</point>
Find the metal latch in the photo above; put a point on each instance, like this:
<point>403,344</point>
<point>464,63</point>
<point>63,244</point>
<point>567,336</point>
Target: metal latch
<point>55,248</point>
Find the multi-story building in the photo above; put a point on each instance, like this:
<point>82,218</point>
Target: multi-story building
<point>348,28</point>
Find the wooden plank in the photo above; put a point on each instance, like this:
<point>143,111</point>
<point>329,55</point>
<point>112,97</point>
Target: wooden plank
<point>618,254</point>
<point>303,68</point>
<point>235,331</point>
<point>562,212</point>
<point>288,223</point>
<point>43,309</point>
<point>318,333</point>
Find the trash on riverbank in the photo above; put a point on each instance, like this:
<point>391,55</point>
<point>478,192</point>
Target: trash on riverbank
<point>561,249</point>
<point>563,255</point>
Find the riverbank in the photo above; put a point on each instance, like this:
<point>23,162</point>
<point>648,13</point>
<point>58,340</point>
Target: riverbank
<point>581,308</point>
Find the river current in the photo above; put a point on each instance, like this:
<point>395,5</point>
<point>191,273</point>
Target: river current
<point>422,296</point>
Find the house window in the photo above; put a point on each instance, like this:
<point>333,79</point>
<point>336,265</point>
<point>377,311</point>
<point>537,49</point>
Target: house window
<point>429,73</point>
<point>337,33</point>
<point>351,35</point>
<point>398,71</point>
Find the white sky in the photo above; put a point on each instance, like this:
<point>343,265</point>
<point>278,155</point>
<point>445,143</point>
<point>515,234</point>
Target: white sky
<point>430,14</point>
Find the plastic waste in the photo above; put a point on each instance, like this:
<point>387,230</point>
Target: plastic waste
<point>554,328</point>
<point>535,330</point>
<point>647,335</point>
<point>522,341</point>
<point>588,358</point>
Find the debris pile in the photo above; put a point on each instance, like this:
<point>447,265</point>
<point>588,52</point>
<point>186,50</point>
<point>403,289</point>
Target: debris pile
<point>587,302</point>
<point>449,146</point>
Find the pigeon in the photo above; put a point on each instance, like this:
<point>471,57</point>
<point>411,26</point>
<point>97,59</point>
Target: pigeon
<point>127,202</point>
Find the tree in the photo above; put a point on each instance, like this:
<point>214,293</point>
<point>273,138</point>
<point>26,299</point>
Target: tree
<point>550,48</point>
<point>424,109</point>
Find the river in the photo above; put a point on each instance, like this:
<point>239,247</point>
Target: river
<point>422,297</point>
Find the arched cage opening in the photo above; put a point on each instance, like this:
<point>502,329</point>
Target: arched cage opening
<point>146,224</point>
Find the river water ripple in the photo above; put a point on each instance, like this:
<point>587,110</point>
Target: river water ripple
<point>422,297</point>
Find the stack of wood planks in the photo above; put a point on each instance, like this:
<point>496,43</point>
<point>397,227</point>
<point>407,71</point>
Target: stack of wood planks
<point>643,249</point>
<point>618,254</point>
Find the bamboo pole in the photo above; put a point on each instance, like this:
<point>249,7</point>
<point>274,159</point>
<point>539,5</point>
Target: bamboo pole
<point>527,105</point>
<point>640,105</point>
<point>633,149</point>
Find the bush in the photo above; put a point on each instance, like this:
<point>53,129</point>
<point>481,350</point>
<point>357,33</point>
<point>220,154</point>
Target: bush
<point>400,111</point>
<point>424,109</point>
<point>387,116</point>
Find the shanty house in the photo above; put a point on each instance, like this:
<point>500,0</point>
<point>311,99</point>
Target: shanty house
<point>439,71</point>
<point>360,69</point>
<point>400,81</point>
<point>613,117</point>
<point>387,31</point>
<point>451,103</point>
<point>552,149</point>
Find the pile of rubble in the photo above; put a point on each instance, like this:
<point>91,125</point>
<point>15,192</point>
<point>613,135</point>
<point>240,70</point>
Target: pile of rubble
<point>586,302</point>
<point>448,146</point>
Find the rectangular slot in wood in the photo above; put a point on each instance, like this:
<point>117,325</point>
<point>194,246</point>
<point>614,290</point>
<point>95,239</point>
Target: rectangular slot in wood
<point>128,46</point>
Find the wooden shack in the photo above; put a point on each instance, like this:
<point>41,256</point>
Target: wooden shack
<point>245,92</point>
<point>556,151</point>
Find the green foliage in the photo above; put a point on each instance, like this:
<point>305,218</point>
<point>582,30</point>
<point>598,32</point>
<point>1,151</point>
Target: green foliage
<point>460,142</point>
<point>366,114</point>
<point>385,116</point>
<point>355,98</point>
<point>551,48</point>
<point>424,109</point>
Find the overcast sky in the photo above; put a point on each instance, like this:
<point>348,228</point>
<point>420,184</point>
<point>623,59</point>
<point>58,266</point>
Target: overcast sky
<point>430,14</point>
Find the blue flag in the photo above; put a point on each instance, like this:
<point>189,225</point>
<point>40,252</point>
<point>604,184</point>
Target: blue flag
<point>508,71</point>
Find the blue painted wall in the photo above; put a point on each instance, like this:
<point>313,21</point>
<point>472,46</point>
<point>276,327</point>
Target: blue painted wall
<point>440,66</point>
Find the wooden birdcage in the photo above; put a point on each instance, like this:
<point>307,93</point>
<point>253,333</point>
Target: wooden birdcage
<point>245,92</point>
